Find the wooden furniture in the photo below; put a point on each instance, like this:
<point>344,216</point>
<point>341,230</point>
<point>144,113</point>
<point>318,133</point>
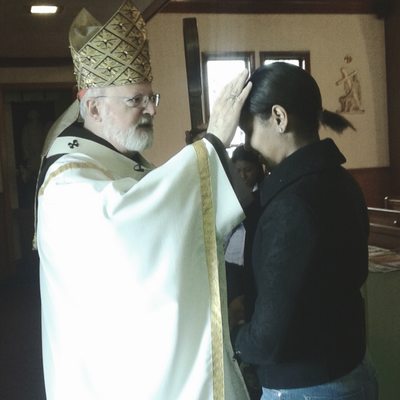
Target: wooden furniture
<point>384,216</point>
<point>382,298</point>
<point>384,227</point>
<point>382,295</point>
<point>392,202</point>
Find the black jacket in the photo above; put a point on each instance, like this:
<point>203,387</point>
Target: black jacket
<point>310,259</point>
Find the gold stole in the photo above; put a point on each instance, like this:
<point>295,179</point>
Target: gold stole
<point>217,345</point>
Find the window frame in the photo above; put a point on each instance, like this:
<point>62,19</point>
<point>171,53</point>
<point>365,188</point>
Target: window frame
<point>247,56</point>
<point>302,56</point>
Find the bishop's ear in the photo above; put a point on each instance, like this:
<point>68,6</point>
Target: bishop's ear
<point>280,117</point>
<point>93,111</point>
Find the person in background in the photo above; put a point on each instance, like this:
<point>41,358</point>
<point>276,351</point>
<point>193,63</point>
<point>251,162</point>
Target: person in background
<point>131,272</point>
<point>239,276</point>
<point>198,133</point>
<point>307,334</point>
<point>248,165</point>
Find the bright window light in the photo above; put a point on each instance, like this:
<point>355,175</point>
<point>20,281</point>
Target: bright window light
<point>293,61</point>
<point>219,73</point>
<point>44,9</point>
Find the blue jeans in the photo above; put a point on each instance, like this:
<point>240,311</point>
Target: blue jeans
<point>359,384</point>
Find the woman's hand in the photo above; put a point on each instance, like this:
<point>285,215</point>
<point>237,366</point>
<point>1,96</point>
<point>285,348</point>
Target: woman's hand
<point>225,114</point>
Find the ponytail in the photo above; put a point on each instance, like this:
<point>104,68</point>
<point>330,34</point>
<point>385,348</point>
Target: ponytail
<point>335,121</point>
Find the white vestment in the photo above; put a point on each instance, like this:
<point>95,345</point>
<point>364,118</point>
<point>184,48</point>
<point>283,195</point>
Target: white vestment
<point>127,308</point>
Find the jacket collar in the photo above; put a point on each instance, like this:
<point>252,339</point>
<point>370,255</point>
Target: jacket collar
<point>309,159</point>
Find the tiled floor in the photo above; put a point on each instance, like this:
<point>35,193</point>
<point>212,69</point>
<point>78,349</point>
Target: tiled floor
<point>21,376</point>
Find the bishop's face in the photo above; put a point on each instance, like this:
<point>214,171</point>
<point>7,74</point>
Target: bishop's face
<point>127,116</point>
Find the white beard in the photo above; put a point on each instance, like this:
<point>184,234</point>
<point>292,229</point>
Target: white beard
<point>135,138</point>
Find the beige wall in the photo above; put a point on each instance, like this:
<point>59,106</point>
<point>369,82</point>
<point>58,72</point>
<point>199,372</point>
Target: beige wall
<point>328,38</point>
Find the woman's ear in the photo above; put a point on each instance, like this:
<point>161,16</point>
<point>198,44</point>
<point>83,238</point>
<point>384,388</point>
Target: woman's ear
<point>279,116</point>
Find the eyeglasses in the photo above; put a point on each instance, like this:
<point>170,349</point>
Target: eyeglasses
<point>139,101</point>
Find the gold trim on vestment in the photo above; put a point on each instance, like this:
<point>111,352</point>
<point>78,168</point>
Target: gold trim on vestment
<point>69,166</point>
<point>213,270</point>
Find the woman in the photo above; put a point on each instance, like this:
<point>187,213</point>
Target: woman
<point>310,252</point>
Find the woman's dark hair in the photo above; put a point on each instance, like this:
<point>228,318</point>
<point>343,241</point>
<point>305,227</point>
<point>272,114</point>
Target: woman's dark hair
<point>242,154</point>
<point>297,92</point>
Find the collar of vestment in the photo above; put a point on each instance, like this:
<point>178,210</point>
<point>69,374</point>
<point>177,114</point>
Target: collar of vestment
<point>309,159</point>
<point>77,139</point>
<point>77,130</point>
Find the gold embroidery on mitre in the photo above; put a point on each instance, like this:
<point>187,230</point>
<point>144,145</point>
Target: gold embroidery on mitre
<point>114,54</point>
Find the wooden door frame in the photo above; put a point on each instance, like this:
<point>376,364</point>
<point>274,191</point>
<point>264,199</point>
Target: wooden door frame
<point>7,232</point>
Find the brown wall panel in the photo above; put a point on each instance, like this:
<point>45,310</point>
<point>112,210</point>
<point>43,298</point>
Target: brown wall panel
<point>392,38</point>
<point>3,248</point>
<point>271,6</point>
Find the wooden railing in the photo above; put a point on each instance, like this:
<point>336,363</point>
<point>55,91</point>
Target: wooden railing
<point>384,227</point>
<point>392,202</point>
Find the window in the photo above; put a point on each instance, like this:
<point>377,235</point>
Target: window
<point>299,58</point>
<point>218,70</point>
